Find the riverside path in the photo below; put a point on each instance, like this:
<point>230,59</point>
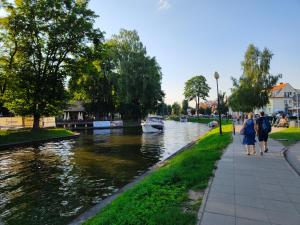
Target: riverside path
<point>252,190</point>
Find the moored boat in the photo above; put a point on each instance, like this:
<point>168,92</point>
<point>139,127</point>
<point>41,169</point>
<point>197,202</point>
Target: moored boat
<point>153,124</point>
<point>183,119</point>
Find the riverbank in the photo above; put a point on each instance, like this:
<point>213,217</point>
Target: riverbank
<point>11,138</point>
<point>201,120</point>
<point>287,136</point>
<point>172,193</point>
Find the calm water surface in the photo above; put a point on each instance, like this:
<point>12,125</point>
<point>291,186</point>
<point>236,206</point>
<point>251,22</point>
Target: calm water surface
<point>52,183</point>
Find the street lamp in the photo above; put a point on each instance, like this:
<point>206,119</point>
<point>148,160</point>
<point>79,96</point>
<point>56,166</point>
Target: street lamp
<point>217,76</point>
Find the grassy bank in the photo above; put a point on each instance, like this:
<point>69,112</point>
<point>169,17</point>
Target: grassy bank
<point>207,120</point>
<point>200,119</point>
<point>291,134</point>
<point>162,197</point>
<point>14,136</point>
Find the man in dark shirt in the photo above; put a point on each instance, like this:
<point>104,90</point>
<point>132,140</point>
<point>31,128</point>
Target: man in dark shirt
<point>263,129</point>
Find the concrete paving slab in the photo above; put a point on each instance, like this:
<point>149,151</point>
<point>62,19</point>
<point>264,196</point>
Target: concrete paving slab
<point>251,213</point>
<point>220,208</point>
<point>217,219</point>
<point>243,221</point>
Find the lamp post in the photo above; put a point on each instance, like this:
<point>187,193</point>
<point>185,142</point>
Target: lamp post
<point>217,76</point>
<point>297,105</point>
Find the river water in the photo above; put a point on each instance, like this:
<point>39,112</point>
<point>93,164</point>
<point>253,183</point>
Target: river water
<point>52,183</point>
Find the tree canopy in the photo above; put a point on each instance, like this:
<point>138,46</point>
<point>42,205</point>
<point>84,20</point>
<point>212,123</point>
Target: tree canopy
<point>93,81</point>
<point>41,36</point>
<point>184,106</point>
<point>253,89</point>
<point>176,109</point>
<point>50,54</point>
<point>138,76</point>
<point>196,89</point>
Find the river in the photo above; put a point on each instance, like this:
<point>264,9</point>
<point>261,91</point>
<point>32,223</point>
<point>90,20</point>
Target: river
<point>52,183</point>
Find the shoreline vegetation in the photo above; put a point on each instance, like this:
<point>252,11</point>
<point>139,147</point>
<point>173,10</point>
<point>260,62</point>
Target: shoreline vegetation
<point>12,137</point>
<point>288,136</point>
<point>201,120</point>
<point>167,195</point>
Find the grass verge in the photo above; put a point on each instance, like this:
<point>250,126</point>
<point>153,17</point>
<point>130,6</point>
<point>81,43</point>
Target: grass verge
<point>291,134</point>
<point>201,120</point>
<point>14,136</point>
<point>162,197</point>
<point>207,120</point>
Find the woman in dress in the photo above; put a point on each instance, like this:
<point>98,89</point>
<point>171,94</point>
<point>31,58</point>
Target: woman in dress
<point>249,134</point>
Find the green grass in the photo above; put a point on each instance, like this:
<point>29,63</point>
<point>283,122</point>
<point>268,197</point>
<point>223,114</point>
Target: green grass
<point>162,197</point>
<point>200,119</point>
<point>25,135</point>
<point>291,134</point>
<point>207,120</point>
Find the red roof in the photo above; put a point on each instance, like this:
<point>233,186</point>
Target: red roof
<point>279,86</point>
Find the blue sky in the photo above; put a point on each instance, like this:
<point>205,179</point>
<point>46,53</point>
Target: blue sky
<point>191,37</point>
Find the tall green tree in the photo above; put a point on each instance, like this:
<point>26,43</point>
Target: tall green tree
<point>253,89</point>
<point>184,106</point>
<point>176,109</point>
<point>93,81</point>
<point>138,87</point>
<point>8,56</point>
<point>163,110</point>
<point>47,34</point>
<point>223,107</point>
<point>196,89</point>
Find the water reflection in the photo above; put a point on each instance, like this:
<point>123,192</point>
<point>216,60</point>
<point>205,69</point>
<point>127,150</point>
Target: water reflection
<point>54,182</point>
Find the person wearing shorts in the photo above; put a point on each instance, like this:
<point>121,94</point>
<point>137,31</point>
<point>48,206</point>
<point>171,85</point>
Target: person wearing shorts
<point>262,134</point>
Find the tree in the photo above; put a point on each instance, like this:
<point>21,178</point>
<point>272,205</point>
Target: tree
<point>163,110</point>
<point>46,34</point>
<point>138,87</point>
<point>8,55</point>
<point>196,88</point>
<point>223,107</point>
<point>169,109</point>
<point>185,106</point>
<point>93,81</point>
<point>176,109</point>
<point>253,88</point>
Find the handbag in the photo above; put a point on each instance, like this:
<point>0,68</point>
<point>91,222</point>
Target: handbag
<point>242,131</point>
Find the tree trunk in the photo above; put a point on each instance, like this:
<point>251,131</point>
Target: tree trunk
<point>36,122</point>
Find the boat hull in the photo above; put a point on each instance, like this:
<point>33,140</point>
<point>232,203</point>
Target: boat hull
<point>150,128</point>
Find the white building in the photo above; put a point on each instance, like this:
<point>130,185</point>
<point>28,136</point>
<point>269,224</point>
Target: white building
<point>284,98</point>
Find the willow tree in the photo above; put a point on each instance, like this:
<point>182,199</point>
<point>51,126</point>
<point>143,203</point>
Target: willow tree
<point>253,89</point>
<point>93,81</point>
<point>138,75</point>
<point>46,35</point>
<point>196,89</point>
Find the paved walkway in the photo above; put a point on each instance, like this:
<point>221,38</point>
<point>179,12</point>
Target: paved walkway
<point>293,156</point>
<point>253,190</point>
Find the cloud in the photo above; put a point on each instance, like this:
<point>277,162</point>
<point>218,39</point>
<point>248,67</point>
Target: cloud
<point>164,4</point>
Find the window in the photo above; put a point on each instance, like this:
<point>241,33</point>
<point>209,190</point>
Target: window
<point>285,102</point>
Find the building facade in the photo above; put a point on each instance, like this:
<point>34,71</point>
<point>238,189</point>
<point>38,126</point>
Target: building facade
<point>284,98</point>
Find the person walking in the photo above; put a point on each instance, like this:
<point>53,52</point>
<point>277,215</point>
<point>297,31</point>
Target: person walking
<point>248,130</point>
<point>263,130</point>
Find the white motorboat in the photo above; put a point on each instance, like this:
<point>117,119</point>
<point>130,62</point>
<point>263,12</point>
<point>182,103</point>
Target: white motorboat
<point>183,119</point>
<point>153,124</point>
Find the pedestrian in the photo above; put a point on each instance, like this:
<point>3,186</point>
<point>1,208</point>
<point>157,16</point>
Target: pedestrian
<point>248,130</point>
<point>263,130</point>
